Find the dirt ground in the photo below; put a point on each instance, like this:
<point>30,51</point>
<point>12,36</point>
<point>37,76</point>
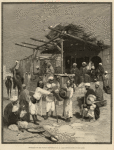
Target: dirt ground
<point>75,131</point>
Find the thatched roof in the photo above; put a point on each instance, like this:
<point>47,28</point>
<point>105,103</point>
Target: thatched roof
<point>76,31</point>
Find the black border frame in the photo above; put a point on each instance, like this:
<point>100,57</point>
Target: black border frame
<point>3,3</point>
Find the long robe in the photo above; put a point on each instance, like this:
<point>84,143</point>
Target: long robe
<point>106,86</point>
<point>105,80</point>
<point>99,94</point>
<point>77,75</point>
<point>100,72</point>
<point>24,104</point>
<point>93,75</point>
<point>49,72</point>
<point>83,70</point>
<point>67,105</point>
<point>9,116</point>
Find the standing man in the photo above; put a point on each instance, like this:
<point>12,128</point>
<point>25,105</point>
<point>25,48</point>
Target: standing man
<point>49,70</point>
<point>50,99</point>
<point>93,74</point>
<point>106,86</point>
<point>100,72</point>
<point>99,94</point>
<point>67,104</point>
<point>37,72</point>
<point>24,103</point>
<point>83,71</point>
<point>75,71</point>
<point>29,79</point>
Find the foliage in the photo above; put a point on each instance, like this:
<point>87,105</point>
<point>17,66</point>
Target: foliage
<point>72,29</point>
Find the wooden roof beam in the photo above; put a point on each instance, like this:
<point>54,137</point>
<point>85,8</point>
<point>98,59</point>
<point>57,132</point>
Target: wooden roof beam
<point>24,46</point>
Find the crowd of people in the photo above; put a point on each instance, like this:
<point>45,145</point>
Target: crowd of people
<point>91,75</point>
<point>20,108</point>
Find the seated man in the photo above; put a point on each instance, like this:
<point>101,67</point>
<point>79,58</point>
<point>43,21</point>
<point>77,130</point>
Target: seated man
<point>88,108</point>
<point>11,113</point>
<point>89,91</point>
<point>91,109</point>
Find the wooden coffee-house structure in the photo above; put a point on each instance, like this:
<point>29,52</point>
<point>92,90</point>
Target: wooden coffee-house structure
<point>70,48</point>
<point>77,50</point>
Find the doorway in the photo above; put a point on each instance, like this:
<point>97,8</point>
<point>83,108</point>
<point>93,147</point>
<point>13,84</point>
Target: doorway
<point>96,60</point>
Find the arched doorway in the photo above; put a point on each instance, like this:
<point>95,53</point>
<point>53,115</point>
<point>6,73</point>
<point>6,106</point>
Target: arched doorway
<point>96,60</point>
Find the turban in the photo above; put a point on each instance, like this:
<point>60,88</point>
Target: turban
<point>87,84</point>
<point>50,78</point>
<point>97,83</point>
<point>14,98</point>
<point>37,67</point>
<point>106,72</point>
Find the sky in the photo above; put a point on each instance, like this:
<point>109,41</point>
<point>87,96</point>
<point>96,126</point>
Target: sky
<point>24,21</point>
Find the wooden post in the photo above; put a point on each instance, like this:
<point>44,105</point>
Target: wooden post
<point>62,56</point>
<point>62,80</point>
<point>33,59</point>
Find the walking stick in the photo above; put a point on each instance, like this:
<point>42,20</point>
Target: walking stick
<point>56,110</point>
<point>83,109</point>
<point>41,106</point>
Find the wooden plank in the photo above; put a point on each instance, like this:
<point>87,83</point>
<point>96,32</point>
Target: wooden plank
<point>29,44</point>
<point>24,46</point>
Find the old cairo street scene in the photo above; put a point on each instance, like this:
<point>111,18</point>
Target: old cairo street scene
<point>57,74</point>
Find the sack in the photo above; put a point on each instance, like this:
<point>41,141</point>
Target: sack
<point>13,127</point>
<point>22,124</point>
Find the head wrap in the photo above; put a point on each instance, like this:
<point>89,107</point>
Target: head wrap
<point>14,98</point>
<point>37,67</point>
<point>87,84</point>
<point>97,83</point>
<point>84,64</point>
<point>50,78</point>
<point>74,64</point>
<point>106,72</point>
<point>100,64</point>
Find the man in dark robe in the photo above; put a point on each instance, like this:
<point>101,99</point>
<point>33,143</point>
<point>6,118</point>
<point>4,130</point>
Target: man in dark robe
<point>89,90</point>
<point>36,74</point>
<point>24,103</point>
<point>106,86</point>
<point>93,74</point>
<point>83,69</point>
<point>83,72</point>
<point>11,113</point>
<point>99,95</point>
<point>76,71</point>
<point>86,105</point>
<point>100,72</point>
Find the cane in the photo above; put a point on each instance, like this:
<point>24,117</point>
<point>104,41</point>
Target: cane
<point>56,110</point>
<point>41,106</point>
<point>83,109</point>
